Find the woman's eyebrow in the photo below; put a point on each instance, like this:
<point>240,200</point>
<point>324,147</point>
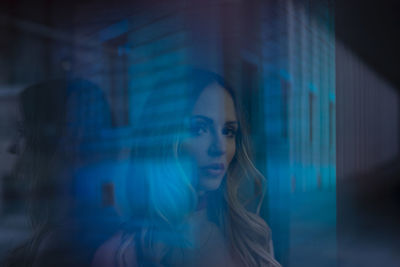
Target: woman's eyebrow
<point>232,123</point>
<point>210,121</point>
<point>207,119</point>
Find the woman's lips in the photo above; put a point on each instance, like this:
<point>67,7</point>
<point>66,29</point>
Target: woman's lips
<point>216,169</point>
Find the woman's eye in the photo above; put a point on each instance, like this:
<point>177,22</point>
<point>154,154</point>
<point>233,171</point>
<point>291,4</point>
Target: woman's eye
<point>229,132</point>
<point>198,129</point>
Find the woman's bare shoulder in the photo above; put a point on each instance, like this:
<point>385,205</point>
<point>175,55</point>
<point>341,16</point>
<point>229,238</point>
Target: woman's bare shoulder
<point>115,249</point>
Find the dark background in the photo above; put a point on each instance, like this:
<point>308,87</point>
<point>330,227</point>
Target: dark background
<point>371,30</point>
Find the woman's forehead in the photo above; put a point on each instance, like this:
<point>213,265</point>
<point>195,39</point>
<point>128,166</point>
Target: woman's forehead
<point>216,103</point>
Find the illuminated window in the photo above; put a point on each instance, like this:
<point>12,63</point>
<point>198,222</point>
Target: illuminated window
<point>285,89</point>
<point>311,99</point>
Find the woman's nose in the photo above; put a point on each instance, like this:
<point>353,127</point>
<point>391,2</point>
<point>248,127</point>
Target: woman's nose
<point>217,146</point>
<point>13,148</point>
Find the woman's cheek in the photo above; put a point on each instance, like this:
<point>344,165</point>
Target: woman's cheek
<point>198,150</point>
<point>231,150</point>
<point>193,148</point>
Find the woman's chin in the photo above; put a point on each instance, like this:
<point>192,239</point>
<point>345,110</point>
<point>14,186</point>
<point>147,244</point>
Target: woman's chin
<point>207,184</point>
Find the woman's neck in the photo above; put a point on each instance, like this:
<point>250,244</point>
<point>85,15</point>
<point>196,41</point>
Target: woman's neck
<point>202,201</point>
<point>199,217</point>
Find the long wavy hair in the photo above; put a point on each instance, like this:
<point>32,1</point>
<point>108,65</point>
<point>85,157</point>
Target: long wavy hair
<point>163,195</point>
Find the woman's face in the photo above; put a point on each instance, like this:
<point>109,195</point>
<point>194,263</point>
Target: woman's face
<point>211,144</point>
<point>12,139</point>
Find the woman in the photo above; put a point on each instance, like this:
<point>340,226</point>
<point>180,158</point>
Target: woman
<point>190,202</point>
<point>52,123</point>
